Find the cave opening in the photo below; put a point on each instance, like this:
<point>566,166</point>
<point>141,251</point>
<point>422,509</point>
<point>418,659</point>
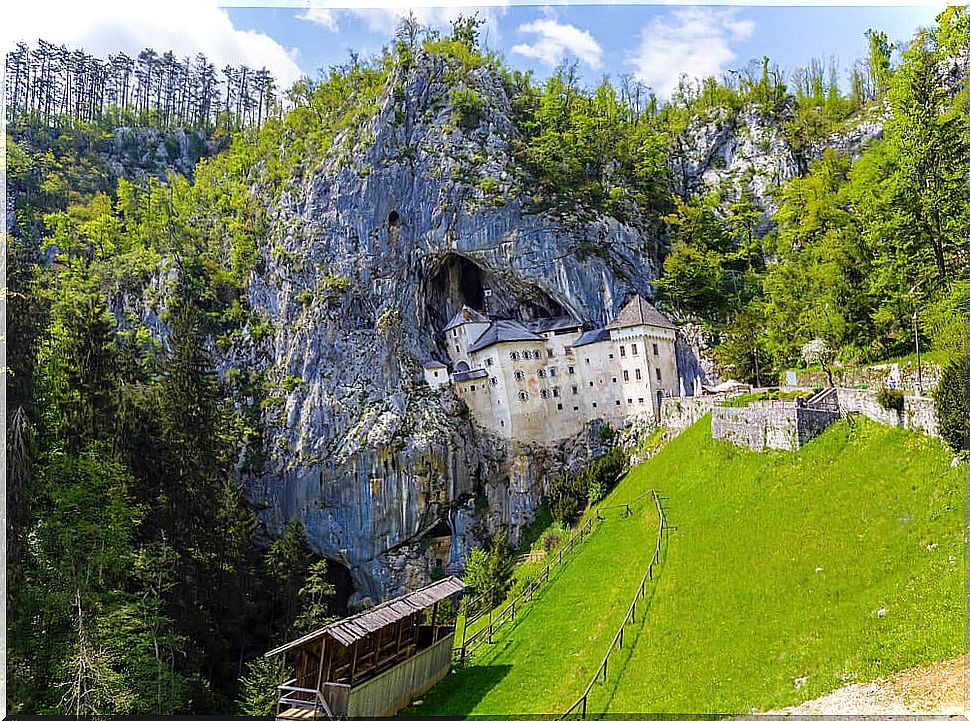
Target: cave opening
<point>456,281</point>
<point>394,219</point>
<point>338,575</point>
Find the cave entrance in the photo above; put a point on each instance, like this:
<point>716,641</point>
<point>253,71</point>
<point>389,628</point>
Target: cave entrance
<point>338,575</point>
<point>456,281</point>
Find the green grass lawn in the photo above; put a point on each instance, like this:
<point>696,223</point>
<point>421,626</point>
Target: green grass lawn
<point>777,570</point>
<point>544,659</point>
<point>781,563</point>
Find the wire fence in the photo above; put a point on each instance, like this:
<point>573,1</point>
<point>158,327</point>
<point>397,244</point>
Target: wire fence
<point>579,707</point>
<point>485,633</point>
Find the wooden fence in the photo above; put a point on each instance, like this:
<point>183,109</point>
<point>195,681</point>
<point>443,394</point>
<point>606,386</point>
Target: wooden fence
<point>579,707</point>
<point>484,634</point>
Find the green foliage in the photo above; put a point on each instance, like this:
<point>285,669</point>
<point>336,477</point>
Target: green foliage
<point>488,572</point>
<point>467,107</point>
<point>259,686</point>
<point>953,404</point>
<point>891,399</point>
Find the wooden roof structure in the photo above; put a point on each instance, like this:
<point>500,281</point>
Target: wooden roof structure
<point>348,631</point>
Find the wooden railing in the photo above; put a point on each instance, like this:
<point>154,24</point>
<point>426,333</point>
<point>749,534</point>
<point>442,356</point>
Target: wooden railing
<point>484,634</point>
<point>293,695</point>
<point>631,615</point>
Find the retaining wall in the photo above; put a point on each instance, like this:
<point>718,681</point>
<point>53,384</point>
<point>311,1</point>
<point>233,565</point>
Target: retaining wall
<point>770,424</point>
<point>683,412</point>
<point>919,412</point>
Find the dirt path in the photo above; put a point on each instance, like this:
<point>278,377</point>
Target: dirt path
<point>940,688</point>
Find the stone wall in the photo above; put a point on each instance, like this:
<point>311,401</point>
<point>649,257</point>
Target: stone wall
<point>680,413</point>
<point>873,377</point>
<point>770,424</point>
<point>919,412</point>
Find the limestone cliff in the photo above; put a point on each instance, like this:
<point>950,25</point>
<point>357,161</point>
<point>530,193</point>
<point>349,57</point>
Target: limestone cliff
<point>370,257</point>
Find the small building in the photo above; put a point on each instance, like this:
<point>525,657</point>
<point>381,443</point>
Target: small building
<point>436,373</point>
<point>372,663</point>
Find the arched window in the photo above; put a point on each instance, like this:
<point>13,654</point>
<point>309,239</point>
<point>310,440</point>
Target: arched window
<point>523,396</point>
<point>461,367</point>
<point>493,380</point>
<point>514,355</point>
<point>519,376</point>
<point>541,373</point>
<point>489,361</point>
<point>544,393</point>
<point>537,354</point>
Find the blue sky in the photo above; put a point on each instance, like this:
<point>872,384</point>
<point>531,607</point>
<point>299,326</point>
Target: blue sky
<point>654,43</point>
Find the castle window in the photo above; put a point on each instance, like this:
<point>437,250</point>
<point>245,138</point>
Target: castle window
<point>638,373</point>
<point>629,401</point>
<point>559,406</point>
<point>594,405</point>
<point>572,370</point>
<point>655,351</point>
<point>617,403</point>
<point>633,348</point>
<point>493,380</point>
<point>519,376</point>
<point>523,396</point>
<point>622,351</point>
<point>550,353</point>
<point>514,355</point>
<point>614,379</point>
<point>503,423</point>
<point>587,361</point>
<point>575,390</point>
<point>611,356</point>
<point>552,372</point>
<point>591,384</point>
<point>658,374</point>
<point>457,349</point>
<point>473,389</point>
<point>640,401</point>
<point>544,393</point>
<point>555,391</point>
<point>569,350</point>
<point>489,361</point>
<point>626,376</point>
<point>575,408</point>
<point>541,373</point>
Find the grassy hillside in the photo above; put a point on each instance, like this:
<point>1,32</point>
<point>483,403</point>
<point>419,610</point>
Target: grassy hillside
<point>550,651</point>
<point>839,563</point>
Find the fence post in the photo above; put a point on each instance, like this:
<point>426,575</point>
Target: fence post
<point>584,706</point>
<point>621,636</point>
<point>605,661</point>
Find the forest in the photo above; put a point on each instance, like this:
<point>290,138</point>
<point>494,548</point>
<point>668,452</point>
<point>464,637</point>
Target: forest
<point>138,578</point>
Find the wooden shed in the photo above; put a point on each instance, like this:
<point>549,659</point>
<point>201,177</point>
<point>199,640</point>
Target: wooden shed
<point>372,663</point>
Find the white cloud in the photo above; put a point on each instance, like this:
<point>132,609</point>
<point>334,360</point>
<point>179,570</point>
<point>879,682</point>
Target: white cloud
<point>322,17</point>
<point>185,27</point>
<point>692,41</point>
<point>383,19</point>
<point>554,40</point>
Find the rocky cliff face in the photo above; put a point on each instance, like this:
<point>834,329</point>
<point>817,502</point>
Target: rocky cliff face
<point>369,259</point>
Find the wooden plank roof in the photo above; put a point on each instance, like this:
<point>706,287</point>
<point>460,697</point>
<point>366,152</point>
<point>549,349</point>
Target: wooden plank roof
<point>348,631</point>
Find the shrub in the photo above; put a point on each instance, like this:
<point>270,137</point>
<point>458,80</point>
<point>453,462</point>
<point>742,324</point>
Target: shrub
<point>488,573</point>
<point>291,383</point>
<point>952,403</point>
<point>891,399</point>
<point>467,107</point>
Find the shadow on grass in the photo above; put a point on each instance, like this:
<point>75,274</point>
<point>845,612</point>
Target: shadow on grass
<point>459,692</point>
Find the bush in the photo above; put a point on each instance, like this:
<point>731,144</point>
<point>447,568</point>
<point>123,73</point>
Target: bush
<point>891,399</point>
<point>488,573</point>
<point>467,106</point>
<point>953,405</point>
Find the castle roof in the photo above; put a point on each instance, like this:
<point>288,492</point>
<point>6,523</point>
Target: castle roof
<point>592,336</point>
<point>503,331</point>
<point>639,312</point>
<point>559,323</point>
<point>466,315</point>
<point>433,364</point>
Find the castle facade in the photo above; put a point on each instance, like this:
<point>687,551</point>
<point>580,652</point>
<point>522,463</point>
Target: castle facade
<point>545,380</point>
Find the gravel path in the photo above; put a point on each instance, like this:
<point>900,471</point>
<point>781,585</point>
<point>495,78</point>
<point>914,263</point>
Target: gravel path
<point>940,688</point>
